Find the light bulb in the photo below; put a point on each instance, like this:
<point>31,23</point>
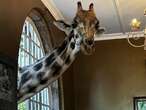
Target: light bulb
<point>135,24</point>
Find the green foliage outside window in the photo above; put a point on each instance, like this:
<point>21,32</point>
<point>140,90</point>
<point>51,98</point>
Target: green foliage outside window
<point>21,106</point>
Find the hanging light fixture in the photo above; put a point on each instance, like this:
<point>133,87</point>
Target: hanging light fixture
<point>145,12</point>
<point>135,26</point>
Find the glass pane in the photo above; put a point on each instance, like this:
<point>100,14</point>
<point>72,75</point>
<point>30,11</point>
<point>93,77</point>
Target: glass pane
<point>142,105</point>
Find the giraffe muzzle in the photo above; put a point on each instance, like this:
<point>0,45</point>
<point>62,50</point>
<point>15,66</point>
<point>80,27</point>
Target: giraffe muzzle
<point>89,41</point>
<point>89,47</point>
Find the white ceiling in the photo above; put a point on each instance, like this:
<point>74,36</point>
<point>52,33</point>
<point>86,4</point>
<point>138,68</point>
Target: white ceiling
<point>114,15</point>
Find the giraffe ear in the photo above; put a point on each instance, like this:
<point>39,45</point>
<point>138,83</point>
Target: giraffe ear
<point>91,7</point>
<point>60,24</point>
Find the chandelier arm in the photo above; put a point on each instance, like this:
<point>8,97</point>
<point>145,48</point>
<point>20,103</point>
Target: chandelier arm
<point>133,45</point>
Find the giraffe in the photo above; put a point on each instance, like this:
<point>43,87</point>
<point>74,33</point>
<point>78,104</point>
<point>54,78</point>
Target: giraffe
<point>80,37</point>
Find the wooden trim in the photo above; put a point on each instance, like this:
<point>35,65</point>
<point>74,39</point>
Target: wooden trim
<point>118,36</point>
<point>61,93</point>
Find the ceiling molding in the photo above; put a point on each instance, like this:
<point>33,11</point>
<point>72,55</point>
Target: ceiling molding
<point>118,36</point>
<point>53,9</point>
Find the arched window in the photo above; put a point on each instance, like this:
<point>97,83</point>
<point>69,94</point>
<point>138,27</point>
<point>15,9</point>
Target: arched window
<point>30,50</point>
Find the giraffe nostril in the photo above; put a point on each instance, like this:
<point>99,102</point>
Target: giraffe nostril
<point>89,41</point>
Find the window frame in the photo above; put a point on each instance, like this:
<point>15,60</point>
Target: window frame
<point>136,100</point>
<point>30,22</point>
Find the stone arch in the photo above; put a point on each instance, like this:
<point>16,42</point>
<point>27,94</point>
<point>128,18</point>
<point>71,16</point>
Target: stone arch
<point>38,18</point>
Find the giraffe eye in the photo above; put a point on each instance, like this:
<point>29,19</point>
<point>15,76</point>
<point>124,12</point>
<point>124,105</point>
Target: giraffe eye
<point>75,24</point>
<point>97,25</point>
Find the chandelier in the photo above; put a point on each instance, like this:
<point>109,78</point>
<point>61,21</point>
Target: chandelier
<point>136,34</point>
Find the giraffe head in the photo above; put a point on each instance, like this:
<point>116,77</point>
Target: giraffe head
<point>86,25</point>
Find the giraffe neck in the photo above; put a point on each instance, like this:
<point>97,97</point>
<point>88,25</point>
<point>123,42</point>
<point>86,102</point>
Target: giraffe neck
<point>38,76</point>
